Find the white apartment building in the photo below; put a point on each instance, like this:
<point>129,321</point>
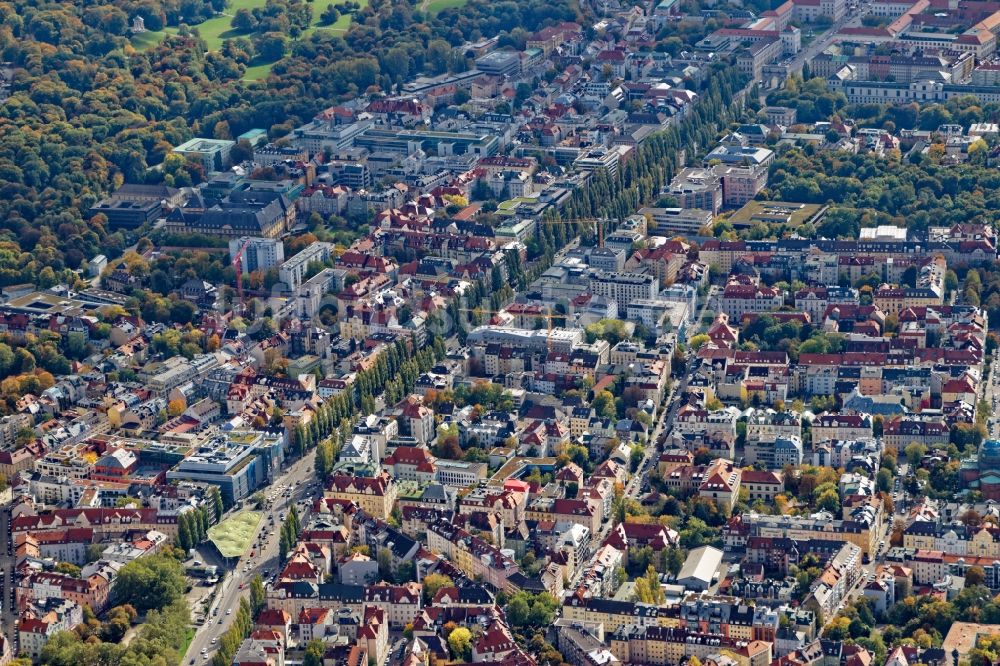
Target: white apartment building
<point>259,253</point>
<point>293,271</point>
<point>623,287</point>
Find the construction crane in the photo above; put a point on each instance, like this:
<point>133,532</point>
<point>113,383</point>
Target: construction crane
<point>597,222</point>
<point>238,265</point>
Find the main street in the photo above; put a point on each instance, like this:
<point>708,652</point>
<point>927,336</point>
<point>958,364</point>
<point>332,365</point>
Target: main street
<point>818,45</point>
<point>991,394</point>
<point>297,480</point>
<point>7,618</point>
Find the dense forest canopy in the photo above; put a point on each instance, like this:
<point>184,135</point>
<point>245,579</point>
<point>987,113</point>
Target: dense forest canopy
<point>88,111</point>
<point>866,190</point>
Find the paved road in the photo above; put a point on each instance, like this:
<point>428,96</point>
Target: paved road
<point>265,561</point>
<point>7,617</point>
<point>822,41</point>
<point>991,394</point>
<point>634,486</point>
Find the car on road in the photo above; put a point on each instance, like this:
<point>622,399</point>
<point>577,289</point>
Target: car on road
<point>229,611</point>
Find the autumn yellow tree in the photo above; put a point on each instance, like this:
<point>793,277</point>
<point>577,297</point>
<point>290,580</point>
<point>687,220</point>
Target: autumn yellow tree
<point>176,407</point>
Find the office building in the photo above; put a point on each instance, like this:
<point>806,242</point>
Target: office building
<point>682,221</point>
<point>697,188</point>
<point>213,154</point>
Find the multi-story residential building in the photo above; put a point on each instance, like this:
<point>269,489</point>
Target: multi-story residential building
<point>93,590</point>
<point>623,287</point>
<point>838,453</point>
<point>863,532</point>
<point>828,592</point>
<point>326,199</point>
<point>37,625</point>
<point>373,634</point>
<point>293,271</point>
<point>775,453</point>
<point>582,643</point>
<point>900,432</point>
<point>411,463</point>
<point>258,254</point>
<point>663,646</point>
<point>960,540</point>
<point>814,300</point>
<point>401,603</point>
<point>598,579</point>
<point>738,299</point>
<point>581,512</point>
<point>106,523</point>
<point>762,486</point>
<point>69,545</point>
<point>376,495</point>
<point>841,427</point>
<point>692,420</point>
<point>508,504</point>
<point>13,462</point>
<point>721,483</point>
<point>892,300</point>
<point>418,420</point>
<point>766,424</point>
<point>471,554</point>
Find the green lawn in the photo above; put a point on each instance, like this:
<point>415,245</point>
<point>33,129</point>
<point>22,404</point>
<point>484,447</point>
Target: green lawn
<point>188,637</point>
<point>147,40</point>
<point>435,6</point>
<point>257,72</point>
<point>233,536</point>
<point>217,30</point>
<point>340,25</point>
